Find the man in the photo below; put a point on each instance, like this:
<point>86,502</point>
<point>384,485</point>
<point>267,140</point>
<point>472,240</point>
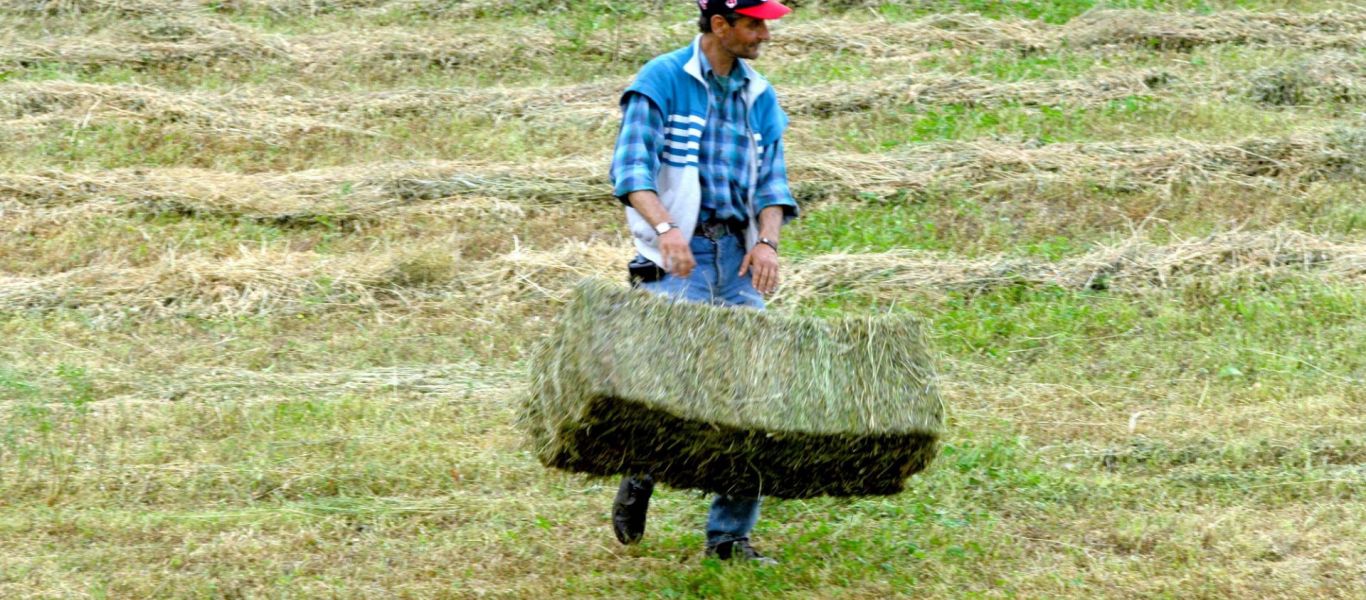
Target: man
<point>699,165</point>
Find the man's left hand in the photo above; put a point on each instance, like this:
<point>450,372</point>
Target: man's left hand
<point>762,259</point>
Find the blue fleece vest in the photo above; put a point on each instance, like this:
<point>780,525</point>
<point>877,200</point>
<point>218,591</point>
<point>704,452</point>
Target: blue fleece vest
<point>674,83</point>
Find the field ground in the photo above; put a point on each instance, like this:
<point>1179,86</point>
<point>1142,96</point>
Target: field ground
<point>269,270</point>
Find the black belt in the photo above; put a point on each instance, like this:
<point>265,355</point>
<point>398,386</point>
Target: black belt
<point>718,229</point>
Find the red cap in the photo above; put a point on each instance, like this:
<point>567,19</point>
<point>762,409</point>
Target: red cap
<point>754,9</point>
<point>765,9</point>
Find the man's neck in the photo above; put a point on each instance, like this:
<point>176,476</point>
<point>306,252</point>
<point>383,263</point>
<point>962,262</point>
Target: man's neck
<point>722,61</point>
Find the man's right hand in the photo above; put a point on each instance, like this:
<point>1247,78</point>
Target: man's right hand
<point>677,255</point>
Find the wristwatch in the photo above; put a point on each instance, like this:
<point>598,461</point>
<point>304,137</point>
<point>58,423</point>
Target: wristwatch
<point>771,244</point>
<point>664,228</point>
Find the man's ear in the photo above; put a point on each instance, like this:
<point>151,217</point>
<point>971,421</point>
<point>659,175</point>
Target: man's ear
<point>717,22</point>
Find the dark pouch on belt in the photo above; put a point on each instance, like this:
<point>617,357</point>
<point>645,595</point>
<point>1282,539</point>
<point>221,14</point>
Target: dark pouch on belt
<point>642,270</point>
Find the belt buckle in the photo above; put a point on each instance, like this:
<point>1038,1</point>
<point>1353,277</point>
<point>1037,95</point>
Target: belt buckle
<point>714,230</point>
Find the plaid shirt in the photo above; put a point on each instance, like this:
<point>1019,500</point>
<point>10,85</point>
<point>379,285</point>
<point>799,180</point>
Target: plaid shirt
<point>724,156</point>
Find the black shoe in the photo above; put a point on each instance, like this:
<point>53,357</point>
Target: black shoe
<point>738,550</point>
<point>628,510</point>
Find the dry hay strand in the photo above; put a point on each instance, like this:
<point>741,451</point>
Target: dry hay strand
<point>745,402</point>
<point>306,7</point>
<point>330,197</point>
<point>597,102</point>
<point>273,119</point>
<point>360,192</point>
<point>1182,32</point>
<point>987,168</point>
<point>567,180</point>
<point>883,40</point>
<point>277,118</point>
<point>149,43</point>
<point>877,40</point>
<point>293,199</point>
<point>1325,78</point>
<point>433,8</point>
<point>254,283</point>
<point>934,88</point>
<point>446,380</point>
<point>206,40</point>
<point>284,8</point>
<point>37,107</point>
<point>1131,266</point>
<point>340,195</point>
<point>579,103</point>
<point>530,275</point>
<point>95,7</point>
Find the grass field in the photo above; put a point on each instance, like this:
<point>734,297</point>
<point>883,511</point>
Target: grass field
<point>270,270</point>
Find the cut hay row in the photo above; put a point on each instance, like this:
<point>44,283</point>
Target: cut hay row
<point>974,169</point>
<point>1130,266</point>
<point>984,168</point>
<point>448,380</point>
<point>293,282</point>
<point>162,7</point>
<point>1325,78</point>
<point>1333,77</point>
<point>287,282</point>
<point>94,7</point>
<point>333,195</point>
<point>188,40</point>
<point>454,8</point>
<point>262,115</point>
<point>36,108</point>
<point>250,284</point>
<point>463,9</point>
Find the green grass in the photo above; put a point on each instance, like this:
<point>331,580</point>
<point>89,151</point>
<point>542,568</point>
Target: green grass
<point>1062,11</point>
<point>1195,437</point>
<point>1128,118</point>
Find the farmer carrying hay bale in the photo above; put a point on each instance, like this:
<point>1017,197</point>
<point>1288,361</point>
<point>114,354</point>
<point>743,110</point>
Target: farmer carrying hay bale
<point>699,165</point>
<point>738,402</point>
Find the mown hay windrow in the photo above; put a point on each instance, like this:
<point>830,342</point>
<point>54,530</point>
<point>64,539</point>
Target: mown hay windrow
<point>988,168</point>
<point>205,40</point>
<point>1186,31</point>
<point>292,282</point>
<point>932,89</point>
<point>974,169</point>
<point>253,283</point>
<point>158,42</point>
<point>538,275</point>
<point>88,7</point>
<point>270,7</point>
<point>1132,266</point>
<point>733,401</point>
<point>329,196</point>
<point>272,117</point>
<point>1330,77</point>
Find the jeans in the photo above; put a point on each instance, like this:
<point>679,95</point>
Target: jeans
<point>715,280</point>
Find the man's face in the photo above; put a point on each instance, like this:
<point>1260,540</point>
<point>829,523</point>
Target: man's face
<point>743,38</point>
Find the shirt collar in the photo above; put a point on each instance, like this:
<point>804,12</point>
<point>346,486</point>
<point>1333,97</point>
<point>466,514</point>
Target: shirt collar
<point>740,67</point>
